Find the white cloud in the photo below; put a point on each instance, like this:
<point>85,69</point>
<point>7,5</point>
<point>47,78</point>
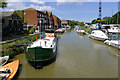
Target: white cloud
<point>41,8</point>
<point>24,5</point>
<point>38,2</point>
<point>62,2</point>
<point>33,1</point>
<point>87,0</point>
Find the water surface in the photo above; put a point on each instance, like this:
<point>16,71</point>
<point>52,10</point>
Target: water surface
<point>78,57</point>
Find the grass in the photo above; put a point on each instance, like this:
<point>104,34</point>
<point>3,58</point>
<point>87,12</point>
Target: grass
<point>12,50</point>
<point>87,29</point>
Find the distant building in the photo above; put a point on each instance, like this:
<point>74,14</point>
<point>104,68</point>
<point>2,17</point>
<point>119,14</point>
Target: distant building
<point>57,22</point>
<point>11,23</point>
<point>64,22</point>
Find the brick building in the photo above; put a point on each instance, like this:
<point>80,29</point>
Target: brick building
<point>36,18</point>
<point>11,23</point>
<point>51,20</point>
<point>57,22</point>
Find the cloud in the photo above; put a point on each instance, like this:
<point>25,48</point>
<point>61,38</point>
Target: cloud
<point>41,8</point>
<point>62,2</point>
<point>33,1</point>
<point>87,0</point>
<point>24,5</point>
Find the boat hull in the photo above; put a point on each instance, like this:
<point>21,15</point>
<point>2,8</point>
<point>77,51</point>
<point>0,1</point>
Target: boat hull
<point>13,66</point>
<point>113,43</point>
<point>97,38</point>
<point>3,60</point>
<point>39,57</point>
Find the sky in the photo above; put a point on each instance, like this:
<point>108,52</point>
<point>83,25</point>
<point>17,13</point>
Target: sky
<point>79,10</point>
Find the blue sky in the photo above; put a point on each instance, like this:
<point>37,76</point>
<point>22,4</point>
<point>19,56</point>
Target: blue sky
<point>74,10</point>
<point>86,11</point>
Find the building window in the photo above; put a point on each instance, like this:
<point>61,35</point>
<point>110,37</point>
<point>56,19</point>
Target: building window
<point>3,21</point>
<point>37,14</point>
<point>40,15</point>
<point>14,16</point>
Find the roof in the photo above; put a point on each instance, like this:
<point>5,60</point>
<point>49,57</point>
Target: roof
<point>6,14</point>
<point>49,13</point>
<point>54,16</point>
<point>30,9</point>
<point>44,12</point>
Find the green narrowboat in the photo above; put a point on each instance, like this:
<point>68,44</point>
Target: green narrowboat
<point>42,51</point>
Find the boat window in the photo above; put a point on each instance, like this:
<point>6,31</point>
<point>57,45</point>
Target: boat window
<point>92,32</point>
<point>46,39</point>
<point>110,37</point>
<point>115,37</point>
<point>118,37</point>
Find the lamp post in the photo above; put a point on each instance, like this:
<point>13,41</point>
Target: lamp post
<point>26,20</point>
<point>40,28</point>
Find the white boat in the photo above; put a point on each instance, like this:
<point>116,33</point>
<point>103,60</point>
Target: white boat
<point>80,31</point>
<point>3,60</point>
<point>114,40</point>
<point>61,30</point>
<point>98,35</point>
<point>113,30</point>
<point>42,50</point>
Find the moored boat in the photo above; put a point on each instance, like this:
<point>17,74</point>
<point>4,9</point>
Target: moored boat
<point>80,31</point>
<point>113,29</point>
<point>42,51</point>
<point>60,30</point>
<point>98,35</point>
<point>8,71</point>
<point>113,40</point>
<point>3,60</point>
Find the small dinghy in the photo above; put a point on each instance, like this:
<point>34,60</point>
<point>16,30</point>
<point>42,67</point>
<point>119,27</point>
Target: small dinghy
<point>8,71</point>
<point>3,60</point>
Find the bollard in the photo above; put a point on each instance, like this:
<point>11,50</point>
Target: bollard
<point>36,38</point>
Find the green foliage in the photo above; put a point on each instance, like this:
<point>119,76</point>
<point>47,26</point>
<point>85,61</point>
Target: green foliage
<point>22,32</point>
<point>72,23</point>
<point>11,50</point>
<point>109,20</point>
<point>87,29</point>
<point>81,24</point>
<point>20,13</point>
<point>31,30</point>
<point>88,23</point>
<point>3,3</point>
<point>94,21</point>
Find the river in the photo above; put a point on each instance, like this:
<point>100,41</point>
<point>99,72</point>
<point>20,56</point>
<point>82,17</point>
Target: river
<point>78,57</point>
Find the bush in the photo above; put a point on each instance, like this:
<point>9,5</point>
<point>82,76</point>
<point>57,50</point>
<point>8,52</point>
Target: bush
<point>22,32</point>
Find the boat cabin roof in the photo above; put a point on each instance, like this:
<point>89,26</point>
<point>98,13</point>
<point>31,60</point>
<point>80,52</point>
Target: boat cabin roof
<point>49,31</point>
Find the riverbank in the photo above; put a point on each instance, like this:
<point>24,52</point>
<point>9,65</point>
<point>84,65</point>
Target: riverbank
<point>17,46</point>
<point>87,29</point>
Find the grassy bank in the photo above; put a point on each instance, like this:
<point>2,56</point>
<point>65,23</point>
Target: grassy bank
<point>87,29</point>
<point>17,46</point>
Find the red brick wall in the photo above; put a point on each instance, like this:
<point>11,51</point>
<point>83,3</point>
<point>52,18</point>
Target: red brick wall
<point>30,17</point>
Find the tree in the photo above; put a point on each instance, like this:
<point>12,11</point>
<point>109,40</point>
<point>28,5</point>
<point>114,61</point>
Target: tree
<point>3,3</point>
<point>94,21</point>
<point>110,20</point>
<point>81,23</point>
